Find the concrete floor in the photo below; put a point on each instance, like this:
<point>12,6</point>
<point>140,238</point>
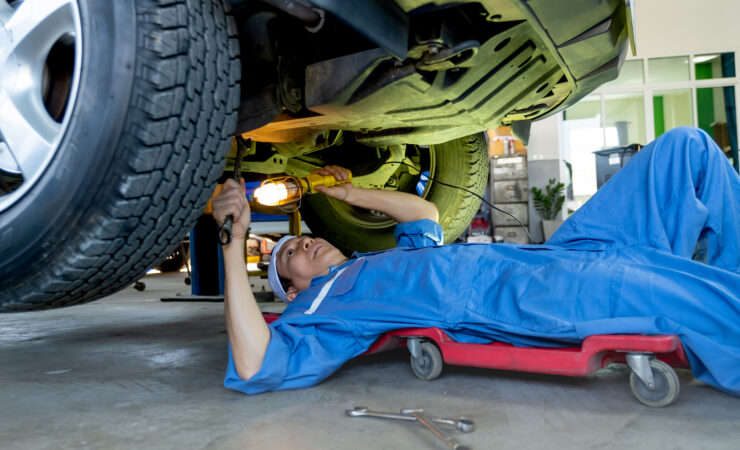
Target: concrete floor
<point>130,371</point>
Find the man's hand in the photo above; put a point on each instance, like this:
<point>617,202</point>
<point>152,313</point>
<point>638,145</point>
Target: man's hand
<point>247,330</point>
<point>400,206</point>
<point>232,201</point>
<point>340,191</point>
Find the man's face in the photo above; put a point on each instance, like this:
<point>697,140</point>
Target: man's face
<point>303,258</point>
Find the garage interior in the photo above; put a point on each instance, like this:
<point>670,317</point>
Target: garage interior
<point>130,371</point>
<point>144,367</point>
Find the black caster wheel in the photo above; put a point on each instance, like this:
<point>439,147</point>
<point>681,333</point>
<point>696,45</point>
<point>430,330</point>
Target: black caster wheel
<point>139,286</point>
<point>429,365</point>
<point>666,387</point>
<point>187,281</point>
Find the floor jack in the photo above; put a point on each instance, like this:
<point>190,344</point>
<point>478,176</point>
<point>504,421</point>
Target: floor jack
<point>141,286</point>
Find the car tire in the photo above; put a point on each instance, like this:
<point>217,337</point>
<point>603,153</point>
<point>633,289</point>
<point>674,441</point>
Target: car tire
<point>461,163</point>
<point>142,142</point>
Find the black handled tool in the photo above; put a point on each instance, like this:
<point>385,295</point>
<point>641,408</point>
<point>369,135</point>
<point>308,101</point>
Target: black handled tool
<point>224,231</point>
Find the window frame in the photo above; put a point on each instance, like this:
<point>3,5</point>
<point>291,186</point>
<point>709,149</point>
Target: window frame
<point>647,89</point>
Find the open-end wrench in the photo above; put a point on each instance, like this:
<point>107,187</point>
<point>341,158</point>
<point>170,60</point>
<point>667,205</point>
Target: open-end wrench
<point>463,424</point>
<point>224,231</point>
<point>451,442</point>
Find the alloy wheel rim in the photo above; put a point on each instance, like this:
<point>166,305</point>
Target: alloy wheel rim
<point>40,65</point>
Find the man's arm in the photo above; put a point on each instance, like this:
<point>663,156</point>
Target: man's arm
<point>399,206</point>
<point>248,333</point>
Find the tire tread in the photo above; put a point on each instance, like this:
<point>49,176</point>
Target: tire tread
<point>180,117</point>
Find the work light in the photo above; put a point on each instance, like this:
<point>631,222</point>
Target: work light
<point>284,190</point>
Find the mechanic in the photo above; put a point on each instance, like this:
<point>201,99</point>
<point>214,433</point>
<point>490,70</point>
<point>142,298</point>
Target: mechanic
<point>622,263</point>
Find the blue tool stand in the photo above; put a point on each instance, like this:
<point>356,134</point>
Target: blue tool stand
<point>207,262</point>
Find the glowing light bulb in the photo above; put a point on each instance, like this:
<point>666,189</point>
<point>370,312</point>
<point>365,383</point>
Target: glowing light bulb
<point>279,191</point>
<point>282,190</point>
<point>271,194</point>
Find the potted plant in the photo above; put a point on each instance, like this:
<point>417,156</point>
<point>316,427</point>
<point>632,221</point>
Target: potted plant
<point>548,204</point>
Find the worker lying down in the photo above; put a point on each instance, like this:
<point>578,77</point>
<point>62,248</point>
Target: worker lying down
<point>621,264</point>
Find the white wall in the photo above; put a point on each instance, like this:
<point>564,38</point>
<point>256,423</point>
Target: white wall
<point>681,27</point>
<point>544,139</point>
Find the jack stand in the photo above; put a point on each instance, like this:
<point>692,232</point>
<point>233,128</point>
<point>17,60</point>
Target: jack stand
<point>187,263</point>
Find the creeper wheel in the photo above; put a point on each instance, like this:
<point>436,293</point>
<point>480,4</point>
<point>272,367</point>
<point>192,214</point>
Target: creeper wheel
<point>665,385</point>
<point>428,364</point>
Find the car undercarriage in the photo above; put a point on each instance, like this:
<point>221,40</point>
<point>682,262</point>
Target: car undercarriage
<point>117,119</point>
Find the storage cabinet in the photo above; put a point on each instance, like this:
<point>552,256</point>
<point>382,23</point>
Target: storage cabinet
<point>510,192</point>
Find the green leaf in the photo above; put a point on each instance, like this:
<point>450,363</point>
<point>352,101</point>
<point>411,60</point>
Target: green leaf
<point>548,203</point>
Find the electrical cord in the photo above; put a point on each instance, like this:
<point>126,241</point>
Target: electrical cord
<point>529,236</point>
<point>290,211</point>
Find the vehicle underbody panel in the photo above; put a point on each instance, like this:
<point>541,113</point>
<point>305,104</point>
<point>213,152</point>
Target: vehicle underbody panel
<point>468,67</point>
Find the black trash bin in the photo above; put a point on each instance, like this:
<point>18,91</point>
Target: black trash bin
<point>610,160</point>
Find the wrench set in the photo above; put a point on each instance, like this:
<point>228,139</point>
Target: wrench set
<point>463,424</point>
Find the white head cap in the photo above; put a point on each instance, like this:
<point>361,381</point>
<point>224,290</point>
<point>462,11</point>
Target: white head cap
<point>272,274</point>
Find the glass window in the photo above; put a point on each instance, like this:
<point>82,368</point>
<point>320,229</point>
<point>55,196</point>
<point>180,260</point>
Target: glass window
<point>713,107</point>
<point>582,135</point>
<point>664,70</point>
<point>587,107</point>
<point>631,74</point>
<point>672,109</point>
<point>716,65</point>
<point>625,119</point>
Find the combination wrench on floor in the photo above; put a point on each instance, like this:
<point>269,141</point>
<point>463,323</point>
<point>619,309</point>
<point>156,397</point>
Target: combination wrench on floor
<point>463,424</point>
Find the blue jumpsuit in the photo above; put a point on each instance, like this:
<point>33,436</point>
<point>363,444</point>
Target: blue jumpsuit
<point>621,264</point>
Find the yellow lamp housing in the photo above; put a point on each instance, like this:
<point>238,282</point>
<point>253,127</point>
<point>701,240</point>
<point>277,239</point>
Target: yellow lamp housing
<point>311,181</point>
<point>284,190</point>
<point>279,191</point>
